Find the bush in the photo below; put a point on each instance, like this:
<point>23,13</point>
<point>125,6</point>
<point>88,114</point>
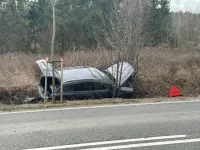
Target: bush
<point>159,69</point>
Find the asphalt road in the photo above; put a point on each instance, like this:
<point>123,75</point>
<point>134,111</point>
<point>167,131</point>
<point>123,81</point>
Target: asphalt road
<point>161,126</point>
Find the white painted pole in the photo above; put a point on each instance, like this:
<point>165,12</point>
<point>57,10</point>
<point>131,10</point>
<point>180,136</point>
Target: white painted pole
<point>61,82</point>
<point>45,90</point>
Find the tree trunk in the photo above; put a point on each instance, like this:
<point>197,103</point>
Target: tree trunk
<point>54,32</point>
<point>52,51</point>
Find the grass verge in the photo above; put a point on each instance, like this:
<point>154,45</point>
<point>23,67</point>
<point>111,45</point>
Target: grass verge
<point>90,103</point>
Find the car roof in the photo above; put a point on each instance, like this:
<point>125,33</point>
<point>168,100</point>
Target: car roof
<point>79,73</point>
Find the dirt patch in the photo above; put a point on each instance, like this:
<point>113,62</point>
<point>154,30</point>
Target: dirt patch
<point>4,95</point>
<point>17,95</point>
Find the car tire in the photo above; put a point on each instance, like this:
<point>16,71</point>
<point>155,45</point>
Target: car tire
<point>124,96</point>
<point>72,98</point>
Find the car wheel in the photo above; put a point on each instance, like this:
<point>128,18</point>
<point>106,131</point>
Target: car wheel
<point>99,97</point>
<point>124,96</point>
<point>72,98</point>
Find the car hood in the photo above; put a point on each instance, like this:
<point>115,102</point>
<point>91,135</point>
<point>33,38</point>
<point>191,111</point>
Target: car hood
<point>121,72</point>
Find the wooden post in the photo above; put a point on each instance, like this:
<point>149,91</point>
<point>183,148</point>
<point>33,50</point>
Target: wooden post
<point>61,82</point>
<point>45,90</point>
<point>53,83</point>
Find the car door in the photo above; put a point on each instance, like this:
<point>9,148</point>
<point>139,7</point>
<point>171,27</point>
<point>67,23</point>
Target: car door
<point>84,90</point>
<point>102,90</point>
<point>68,92</point>
<point>78,90</point>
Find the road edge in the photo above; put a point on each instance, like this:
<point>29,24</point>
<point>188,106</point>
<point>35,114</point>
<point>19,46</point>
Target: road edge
<point>78,107</point>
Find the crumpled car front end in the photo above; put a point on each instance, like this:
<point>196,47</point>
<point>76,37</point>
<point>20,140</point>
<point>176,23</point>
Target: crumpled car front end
<point>123,75</point>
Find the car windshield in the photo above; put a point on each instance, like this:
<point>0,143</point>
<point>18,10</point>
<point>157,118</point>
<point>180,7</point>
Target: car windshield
<point>110,76</point>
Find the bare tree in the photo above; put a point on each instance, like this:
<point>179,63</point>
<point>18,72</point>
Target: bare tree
<point>53,4</point>
<point>123,32</point>
<point>186,28</point>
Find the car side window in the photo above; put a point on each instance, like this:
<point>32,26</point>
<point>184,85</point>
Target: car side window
<point>101,86</point>
<point>68,88</point>
<point>83,86</point>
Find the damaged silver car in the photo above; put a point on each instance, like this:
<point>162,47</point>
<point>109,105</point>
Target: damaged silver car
<point>87,82</point>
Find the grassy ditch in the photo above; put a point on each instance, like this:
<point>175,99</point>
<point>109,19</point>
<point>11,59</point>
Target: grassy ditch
<point>159,69</point>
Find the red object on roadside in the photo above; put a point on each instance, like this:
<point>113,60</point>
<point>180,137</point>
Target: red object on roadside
<point>175,92</point>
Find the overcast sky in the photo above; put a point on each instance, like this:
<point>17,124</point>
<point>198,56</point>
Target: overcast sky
<point>185,5</point>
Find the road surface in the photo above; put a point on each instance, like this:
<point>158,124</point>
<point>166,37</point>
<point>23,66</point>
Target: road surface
<point>163,126</point>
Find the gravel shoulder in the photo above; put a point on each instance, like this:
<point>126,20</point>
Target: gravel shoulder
<point>88,103</point>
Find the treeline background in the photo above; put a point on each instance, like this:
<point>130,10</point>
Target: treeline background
<point>26,25</point>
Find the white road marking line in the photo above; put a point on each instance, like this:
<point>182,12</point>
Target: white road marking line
<point>110,142</point>
<point>146,144</point>
<point>94,107</point>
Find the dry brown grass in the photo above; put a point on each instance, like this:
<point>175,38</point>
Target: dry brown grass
<point>19,73</point>
<point>162,68</point>
<point>91,103</point>
<point>159,70</point>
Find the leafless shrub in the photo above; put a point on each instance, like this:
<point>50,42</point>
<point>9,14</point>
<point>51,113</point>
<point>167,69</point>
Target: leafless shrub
<point>123,34</point>
<point>162,68</point>
<point>159,69</point>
